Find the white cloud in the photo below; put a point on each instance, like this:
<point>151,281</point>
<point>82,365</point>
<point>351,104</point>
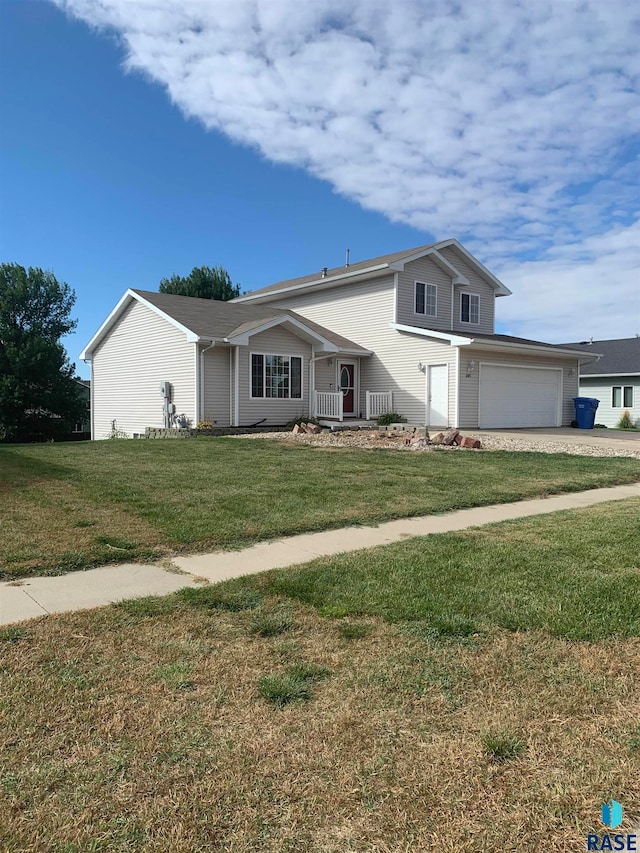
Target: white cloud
<point>507,124</point>
<point>577,291</point>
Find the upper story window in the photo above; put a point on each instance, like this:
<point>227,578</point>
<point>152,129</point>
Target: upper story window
<point>276,376</point>
<point>622,396</point>
<point>469,308</point>
<point>426,299</point>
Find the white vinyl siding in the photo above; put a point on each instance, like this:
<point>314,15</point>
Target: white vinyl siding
<point>601,387</point>
<point>141,351</point>
<point>476,285</point>
<point>427,271</point>
<point>469,384</point>
<point>362,312</point>
<point>215,381</point>
<point>275,411</point>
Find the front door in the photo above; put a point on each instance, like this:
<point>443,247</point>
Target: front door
<point>347,385</point>
<point>437,395</point>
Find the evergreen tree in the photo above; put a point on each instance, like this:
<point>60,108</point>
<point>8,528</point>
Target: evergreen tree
<point>204,282</point>
<point>39,398</point>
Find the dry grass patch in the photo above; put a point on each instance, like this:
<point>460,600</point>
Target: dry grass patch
<point>144,729</point>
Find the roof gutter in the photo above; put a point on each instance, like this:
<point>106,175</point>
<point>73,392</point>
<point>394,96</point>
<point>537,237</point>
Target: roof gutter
<point>485,344</point>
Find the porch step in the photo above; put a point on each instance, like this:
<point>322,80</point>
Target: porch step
<point>337,426</point>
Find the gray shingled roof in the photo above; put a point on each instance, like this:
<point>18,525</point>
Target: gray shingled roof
<point>213,318</point>
<point>618,356</point>
<point>356,267</point>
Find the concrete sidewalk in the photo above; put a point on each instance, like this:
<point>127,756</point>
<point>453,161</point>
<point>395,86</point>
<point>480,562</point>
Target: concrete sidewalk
<point>38,596</point>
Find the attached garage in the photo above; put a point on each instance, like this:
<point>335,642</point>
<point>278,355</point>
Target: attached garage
<point>512,397</point>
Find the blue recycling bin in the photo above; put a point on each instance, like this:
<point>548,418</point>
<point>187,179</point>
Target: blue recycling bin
<point>586,411</point>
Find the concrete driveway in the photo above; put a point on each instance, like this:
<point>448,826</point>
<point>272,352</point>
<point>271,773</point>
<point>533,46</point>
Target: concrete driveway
<point>567,435</point>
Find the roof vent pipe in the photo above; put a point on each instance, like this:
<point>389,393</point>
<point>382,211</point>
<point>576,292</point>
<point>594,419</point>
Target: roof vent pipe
<point>347,261</point>
<point>324,272</point>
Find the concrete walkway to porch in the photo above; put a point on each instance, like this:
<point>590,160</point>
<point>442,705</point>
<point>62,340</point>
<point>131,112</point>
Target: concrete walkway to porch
<point>40,596</point>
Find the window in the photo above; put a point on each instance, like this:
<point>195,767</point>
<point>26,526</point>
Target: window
<point>622,395</point>
<point>469,308</point>
<point>426,296</point>
<point>276,376</point>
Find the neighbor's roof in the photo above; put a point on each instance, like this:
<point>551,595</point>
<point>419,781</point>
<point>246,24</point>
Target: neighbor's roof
<point>211,319</point>
<point>375,265</point>
<point>619,356</point>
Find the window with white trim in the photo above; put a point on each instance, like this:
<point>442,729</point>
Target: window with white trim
<point>426,299</point>
<point>276,376</point>
<point>622,397</point>
<point>469,308</point>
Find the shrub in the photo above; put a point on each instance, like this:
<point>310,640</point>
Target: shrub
<point>600,426</point>
<point>625,421</point>
<point>204,425</point>
<point>390,418</point>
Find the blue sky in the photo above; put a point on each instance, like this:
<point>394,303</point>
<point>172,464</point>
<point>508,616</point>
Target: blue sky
<point>142,139</point>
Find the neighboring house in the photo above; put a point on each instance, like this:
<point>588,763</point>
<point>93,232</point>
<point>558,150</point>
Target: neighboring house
<point>614,379</point>
<point>411,332</point>
<point>82,430</point>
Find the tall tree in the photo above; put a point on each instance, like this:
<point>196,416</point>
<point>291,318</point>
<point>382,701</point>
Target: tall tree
<point>39,398</point>
<point>205,282</point>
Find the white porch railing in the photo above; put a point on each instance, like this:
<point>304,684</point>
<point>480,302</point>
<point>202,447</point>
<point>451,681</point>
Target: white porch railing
<point>328,405</point>
<point>378,403</point>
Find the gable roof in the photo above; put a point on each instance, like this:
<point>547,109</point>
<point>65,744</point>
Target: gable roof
<point>377,266</point>
<point>212,320</point>
<point>618,357</point>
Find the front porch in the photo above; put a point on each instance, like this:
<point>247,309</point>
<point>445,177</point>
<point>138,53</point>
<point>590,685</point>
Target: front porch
<point>329,405</point>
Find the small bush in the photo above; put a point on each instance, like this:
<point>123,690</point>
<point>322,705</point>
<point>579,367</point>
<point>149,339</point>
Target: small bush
<point>204,425</point>
<point>600,426</point>
<point>390,418</point>
<point>502,746</point>
<point>625,421</point>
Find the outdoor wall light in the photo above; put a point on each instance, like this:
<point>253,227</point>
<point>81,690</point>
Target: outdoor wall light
<point>422,367</point>
<point>571,372</point>
<point>470,367</point>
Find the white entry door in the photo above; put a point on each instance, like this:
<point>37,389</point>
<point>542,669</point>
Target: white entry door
<point>438,395</point>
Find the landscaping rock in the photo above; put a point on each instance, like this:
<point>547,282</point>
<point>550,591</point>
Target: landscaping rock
<point>438,438</point>
<point>296,429</point>
<point>314,429</point>
<point>472,443</point>
<point>450,437</point>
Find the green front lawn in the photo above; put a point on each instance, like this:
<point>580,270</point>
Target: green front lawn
<point>70,506</point>
<point>236,718</point>
<point>572,574</point>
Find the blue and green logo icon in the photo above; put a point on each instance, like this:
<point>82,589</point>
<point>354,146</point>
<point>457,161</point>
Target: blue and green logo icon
<point>612,814</point>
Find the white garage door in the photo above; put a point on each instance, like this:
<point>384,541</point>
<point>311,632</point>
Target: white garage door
<point>518,397</point>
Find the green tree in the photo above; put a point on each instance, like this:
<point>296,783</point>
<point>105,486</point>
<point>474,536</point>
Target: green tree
<point>204,282</point>
<point>39,398</point>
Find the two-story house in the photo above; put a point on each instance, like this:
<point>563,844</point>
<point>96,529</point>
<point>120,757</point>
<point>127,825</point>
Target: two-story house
<point>411,332</point>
